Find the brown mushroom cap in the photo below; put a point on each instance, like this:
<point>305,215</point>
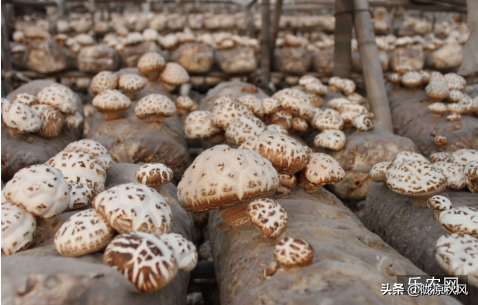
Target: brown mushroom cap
<point>253,103</point>
<point>292,252</point>
<point>105,80</point>
<point>225,114</point>
<point>322,169</point>
<point>154,174</point>
<point>268,215</point>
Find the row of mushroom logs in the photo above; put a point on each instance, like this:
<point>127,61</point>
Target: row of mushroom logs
<point>54,109</point>
<point>288,110</point>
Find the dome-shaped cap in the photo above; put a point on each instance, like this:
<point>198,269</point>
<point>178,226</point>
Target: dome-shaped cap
<point>17,228</point>
<point>111,100</point>
<point>199,125</point>
<point>455,177</point>
<point>184,251</point>
<point>243,128</point>
<point>292,252</point>
<point>378,171</point>
<point>268,215</point>
<point>174,74</point>
<point>225,114</point>
<point>331,139</point>
<point>21,118</point>
<point>154,174</point>
<point>94,148</point>
<point>26,98</point>
<point>59,97</point>
<point>456,254</point>
<point>105,80</point>
<point>155,105</point>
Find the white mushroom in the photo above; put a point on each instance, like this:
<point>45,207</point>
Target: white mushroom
<point>184,251</point>
<point>320,170</point>
<point>378,171</point>
<point>460,220</point>
<point>268,215</point>
<point>17,228</point>
<point>331,139</point>
<point>243,128</point>
<point>292,252</point>
<point>439,204</point>
<point>154,174</point>
<point>94,148</point>
<point>455,178</point>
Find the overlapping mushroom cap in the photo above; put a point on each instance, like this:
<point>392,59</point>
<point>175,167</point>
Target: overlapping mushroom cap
<point>378,171</point>
<point>199,125</point>
<point>292,252</point>
<point>321,169</point>
<point>154,174</point>
<point>144,259</point>
<point>105,80</point>
<point>184,251</point>
<point>59,97</point>
<point>440,156</point>
<point>464,156</point>
<point>471,176</point>
<point>134,207</point>
<point>287,155</point>
<point>268,215</point>
<point>26,98</point>
<point>81,195</point>
<point>21,118</point>
<point>174,74</point>
<point>17,228</point>
<point>222,176</point>
<point>363,122</point>
<point>331,139</point>
<point>40,190</point>
<point>294,101</point>
<point>83,233</point>
<point>243,128</point>
<point>94,148</point>
<point>253,103</point>
<point>226,113</point>
<point>453,173</point>
<point>460,220</point>
<point>52,121</point>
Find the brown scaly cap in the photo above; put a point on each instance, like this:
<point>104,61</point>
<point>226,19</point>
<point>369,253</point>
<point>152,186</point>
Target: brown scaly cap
<point>154,174</point>
<point>268,215</point>
<point>293,252</point>
<point>105,80</point>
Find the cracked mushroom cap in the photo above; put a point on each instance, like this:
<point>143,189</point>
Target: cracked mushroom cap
<point>144,259</point>
<point>321,169</point>
<point>83,233</point>
<point>111,101</point>
<point>268,215</point>
<point>154,174</point>
<point>409,156</point>
<point>40,190</point>
<point>471,176</point>
<point>184,102</point>
<point>378,171</point>
<point>331,139</point>
<point>59,97</point>
<point>21,118</point>
<point>363,122</point>
<point>415,179</point>
<point>73,120</point>
<point>454,96</point>
<point>94,148</point>
<point>357,108</point>
<point>412,79</point>
<point>80,167</point>
<point>455,177</point>
<point>155,105</point>
<point>456,254</point>
<point>274,128</point>
<point>253,103</point>
<point>243,128</point>
<point>270,105</point>
<point>151,63</point>
<point>134,207</point>
<point>455,81</point>
<point>299,124</point>
<point>223,176</point>
<point>464,156</point>
<point>184,251</point>
<point>460,220</point>
<point>174,74</point>
<point>440,156</point>
<point>316,88</point>
<point>294,101</point>
<point>438,108</point>
<point>292,252</point>
<point>323,121</point>
<point>17,228</point>
<point>26,98</point>
<point>337,102</point>
<point>131,83</point>
<point>436,91</point>
<point>199,125</point>
<point>224,115</point>
<point>286,154</point>
<point>81,195</point>
<point>52,121</point>
<point>439,203</point>
<point>105,80</point>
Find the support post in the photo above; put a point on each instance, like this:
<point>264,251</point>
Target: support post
<point>266,45</point>
<point>343,38</point>
<point>6,55</point>
<point>372,69</point>
<point>275,26</point>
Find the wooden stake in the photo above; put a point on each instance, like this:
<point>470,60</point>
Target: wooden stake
<point>343,38</point>
<point>266,45</point>
<point>275,26</point>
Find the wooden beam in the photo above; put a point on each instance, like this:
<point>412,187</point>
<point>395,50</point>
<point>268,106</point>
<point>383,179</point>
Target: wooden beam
<point>265,69</point>
<point>6,55</point>
<point>343,38</point>
<point>275,26</point>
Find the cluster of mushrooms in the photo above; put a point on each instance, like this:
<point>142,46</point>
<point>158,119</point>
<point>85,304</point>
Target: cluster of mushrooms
<point>143,250</point>
<point>54,109</point>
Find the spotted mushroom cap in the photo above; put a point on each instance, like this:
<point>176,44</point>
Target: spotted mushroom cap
<point>299,124</point>
<point>105,80</point>
<point>134,207</point>
<point>363,122</point>
<point>439,203</point>
<point>83,233</point>
<point>331,139</point>
<point>21,118</point>
<point>26,98</point>
<point>453,173</point>
<point>288,180</point>
<point>222,176</point>
<point>348,86</point>
<point>151,62</point>
<point>322,169</point>
<point>199,125</point>
<point>286,154</point>
<point>222,100</point>
<point>80,167</point>
<point>274,128</point>
<point>462,219</point>
<point>184,251</point>
<point>268,215</point>
<point>455,81</point>
<point>270,106</point>
<point>357,108</point>
<point>294,101</point>
<point>59,97</point>
<point>144,259</point>
<point>184,102</point>
<point>283,118</point>
<point>440,156</point>
<point>52,121</point>
<point>81,195</point>
<point>40,190</point>
<point>292,252</point>
<point>253,103</point>
<point>308,79</point>
<point>438,108</point>
<point>454,96</point>
<point>92,147</point>
<point>471,176</point>
<point>316,88</point>
<point>225,114</point>
<point>17,228</point>
<point>174,74</point>
<point>154,174</point>
<point>73,120</point>
<point>337,102</point>
<point>154,104</point>
<point>409,156</point>
<point>243,128</point>
<point>440,140</point>
<point>131,82</point>
<point>436,91</point>
<point>324,121</point>
<point>378,171</point>
<point>348,115</point>
<point>411,79</point>
<point>453,117</point>
<point>456,254</point>
<point>464,156</point>
<point>111,100</point>
<point>415,179</point>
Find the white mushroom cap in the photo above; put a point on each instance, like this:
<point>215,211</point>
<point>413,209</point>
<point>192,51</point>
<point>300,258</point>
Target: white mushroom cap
<point>316,88</point>
<point>81,195</point>
<point>324,121</point>
<point>294,101</point>
<point>225,114</point>
<point>455,178</point>
<point>253,103</point>
<point>268,215</point>
<point>412,79</point>
<point>460,220</point>
<point>331,139</point>
<point>73,120</point>
<point>286,154</point>
<point>144,259</point>
<point>174,74</point>
<point>59,97</point>
<point>184,251</point>
<point>321,169</point>
<point>454,96</point>
<point>154,174</point>
<point>308,79</point>
<point>134,207</point>
<point>409,156</point>
<point>222,100</point>
<point>151,63</point>
<point>363,122</point>
<point>471,176</point>
<point>291,252</point>
<point>26,98</point>
<point>337,102</point>
<point>199,126</point>
<point>17,228</point>
<point>456,108</point>
<point>357,108</point>
<point>21,118</point>
<point>40,190</point>
<point>456,254</point>
<point>92,147</point>
<point>243,128</point>
<point>348,115</point>
<point>52,121</point>
<point>111,100</point>
<point>80,167</point>
<point>274,128</point>
<point>378,171</point>
<point>270,105</point>
<point>155,108</point>
<point>436,91</point>
<point>455,81</point>
<point>438,108</point>
<point>105,80</point>
<point>440,156</point>
<point>464,156</point>
<point>83,233</point>
<point>131,83</point>
<point>453,117</point>
<point>222,176</point>
<point>439,203</point>
<point>415,179</point>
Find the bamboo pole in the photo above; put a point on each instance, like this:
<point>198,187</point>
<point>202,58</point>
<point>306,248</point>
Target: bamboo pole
<point>266,45</point>
<point>275,25</point>
<point>372,69</point>
<point>343,38</point>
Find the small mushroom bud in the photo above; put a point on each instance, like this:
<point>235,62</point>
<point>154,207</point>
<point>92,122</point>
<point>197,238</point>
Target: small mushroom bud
<point>184,104</point>
<point>363,123</point>
<point>268,215</point>
<point>293,252</point>
<point>439,204</point>
<point>379,170</point>
<point>440,140</point>
<point>131,83</point>
<point>331,139</point>
<point>154,174</point>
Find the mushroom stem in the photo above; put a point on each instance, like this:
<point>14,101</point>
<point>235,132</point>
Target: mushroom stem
<point>14,132</point>
<point>236,215</point>
<point>153,76</point>
<point>217,138</point>
<point>129,94</point>
<point>418,202</point>
<point>397,85</point>
<point>111,115</point>
<point>436,115</point>
<point>156,120</point>
<point>182,111</point>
